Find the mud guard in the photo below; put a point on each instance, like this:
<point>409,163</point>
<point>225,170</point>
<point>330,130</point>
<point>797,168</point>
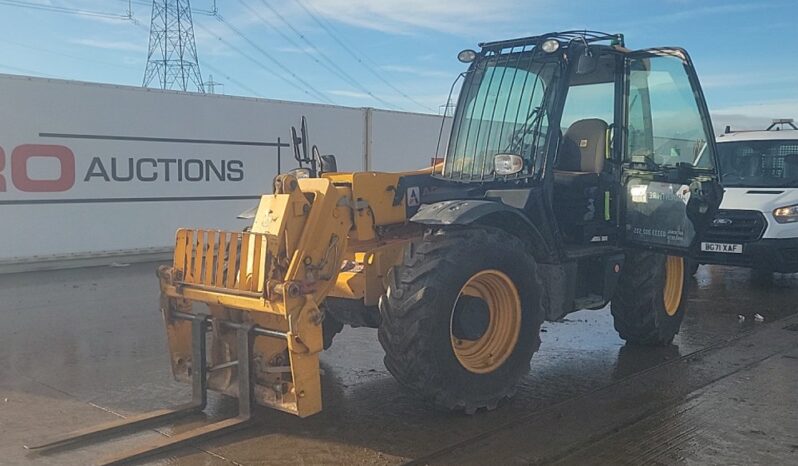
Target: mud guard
<point>461,212</point>
<point>470,211</point>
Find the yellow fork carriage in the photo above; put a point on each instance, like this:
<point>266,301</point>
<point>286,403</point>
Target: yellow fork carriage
<point>259,295</point>
<point>275,277</point>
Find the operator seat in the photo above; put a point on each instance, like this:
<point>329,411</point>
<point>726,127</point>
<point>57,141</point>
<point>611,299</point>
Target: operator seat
<point>582,154</point>
<point>577,181</point>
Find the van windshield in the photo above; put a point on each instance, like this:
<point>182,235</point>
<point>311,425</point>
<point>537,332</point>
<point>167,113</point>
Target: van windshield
<point>759,164</point>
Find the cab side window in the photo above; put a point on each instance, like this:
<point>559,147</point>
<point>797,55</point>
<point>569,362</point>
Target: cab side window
<point>588,101</point>
<point>586,126</point>
<point>665,123</point>
<point>638,126</point>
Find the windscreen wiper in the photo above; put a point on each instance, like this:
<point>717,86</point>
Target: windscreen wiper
<point>516,145</point>
<point>532,120</point>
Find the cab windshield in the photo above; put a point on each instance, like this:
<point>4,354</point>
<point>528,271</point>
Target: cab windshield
<point>502,109</point>
<point>759,164</point>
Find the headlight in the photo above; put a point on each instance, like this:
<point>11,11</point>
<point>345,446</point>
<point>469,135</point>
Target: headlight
<point>787,214</point>
<point>507,164</point>
<point>467,56</point>
<point>550,45</point>
<point>639,193</point>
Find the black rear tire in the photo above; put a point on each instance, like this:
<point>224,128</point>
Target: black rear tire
<point>638,307</point>
<point>417,309</point>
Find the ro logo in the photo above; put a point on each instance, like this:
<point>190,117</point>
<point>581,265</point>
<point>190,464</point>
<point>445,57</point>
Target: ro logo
<point>20,175</point>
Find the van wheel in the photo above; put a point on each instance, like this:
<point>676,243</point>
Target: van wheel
<point>650,301</point>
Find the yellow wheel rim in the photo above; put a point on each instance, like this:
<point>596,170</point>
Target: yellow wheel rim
<point>489,351</point>
<point>674,284</point>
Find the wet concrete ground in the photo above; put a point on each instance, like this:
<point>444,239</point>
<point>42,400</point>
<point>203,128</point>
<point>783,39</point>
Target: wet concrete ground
<point>79,347</point>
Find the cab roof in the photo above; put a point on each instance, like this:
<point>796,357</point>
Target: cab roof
<point>564,37</point>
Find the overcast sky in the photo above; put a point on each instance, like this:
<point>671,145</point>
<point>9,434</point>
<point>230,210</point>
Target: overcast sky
<point>401,53</point>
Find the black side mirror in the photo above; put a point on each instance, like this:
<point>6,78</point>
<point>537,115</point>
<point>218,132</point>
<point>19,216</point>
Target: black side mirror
<point>588,62</point>
<point>328,163</point>
<point>301,148</point>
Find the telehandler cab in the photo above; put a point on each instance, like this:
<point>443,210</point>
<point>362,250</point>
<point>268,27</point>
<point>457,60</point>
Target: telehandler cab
<point>578,173</point>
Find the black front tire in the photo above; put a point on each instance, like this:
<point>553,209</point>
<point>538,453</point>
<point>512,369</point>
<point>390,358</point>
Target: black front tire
<point>417,309</point>
<point>638,307</point>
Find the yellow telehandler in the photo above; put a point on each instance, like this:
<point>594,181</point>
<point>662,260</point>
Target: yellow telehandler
<point>577,172</point>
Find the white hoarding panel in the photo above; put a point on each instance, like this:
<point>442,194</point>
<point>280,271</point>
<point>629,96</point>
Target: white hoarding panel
<point>88,168</point>
<point>406,141</point>
<point>91,170</point>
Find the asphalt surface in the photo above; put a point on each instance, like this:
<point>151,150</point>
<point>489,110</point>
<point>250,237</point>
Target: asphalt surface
<point>80,347</point>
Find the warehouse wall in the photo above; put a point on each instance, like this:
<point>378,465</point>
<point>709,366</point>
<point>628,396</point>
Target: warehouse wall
<point>405,141</point>
<point>92,170</point>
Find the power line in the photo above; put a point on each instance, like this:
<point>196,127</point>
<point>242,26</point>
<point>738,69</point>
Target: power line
<point>309,89</point>
<point>253,60</point>
<point>328,64</point>
<point>194,11</point>
<point>213,68</point>
<point>212,12</point>
<point>27,71</point>
<point>357,57</point>
<point>233,80</point>
<point>62,54</point>
<point>61,9</point>
<point>136,23</point>
<point>136,2</point>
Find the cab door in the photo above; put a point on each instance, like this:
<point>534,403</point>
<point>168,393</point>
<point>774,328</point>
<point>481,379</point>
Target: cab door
<point>669,165</point>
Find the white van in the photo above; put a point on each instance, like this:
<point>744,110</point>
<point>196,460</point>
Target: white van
<point>757,224</point>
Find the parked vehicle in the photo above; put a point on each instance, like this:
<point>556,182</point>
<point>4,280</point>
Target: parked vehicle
<point>757,223</point>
